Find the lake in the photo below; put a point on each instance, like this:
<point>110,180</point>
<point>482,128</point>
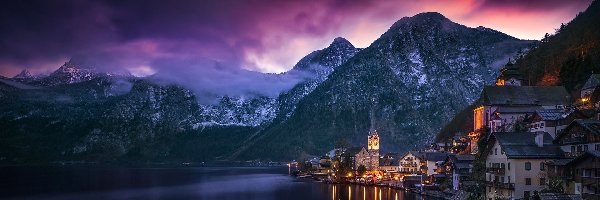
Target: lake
<point>223,183</point>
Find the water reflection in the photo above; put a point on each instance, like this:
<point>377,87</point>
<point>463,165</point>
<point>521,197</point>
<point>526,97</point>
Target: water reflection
<point>345,191</point>
<point>177,183</point>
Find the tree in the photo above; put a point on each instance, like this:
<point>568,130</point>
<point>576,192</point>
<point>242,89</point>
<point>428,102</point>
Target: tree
<point>362,169</point>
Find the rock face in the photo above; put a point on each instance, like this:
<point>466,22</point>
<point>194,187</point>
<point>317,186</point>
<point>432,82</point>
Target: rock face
<point>407,84</point>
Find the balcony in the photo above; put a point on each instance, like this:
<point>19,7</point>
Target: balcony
<point>577,140</point>
<point>574,154</point>
<point>496,170</point>
<point>508,186</point>
<point>408,165</point>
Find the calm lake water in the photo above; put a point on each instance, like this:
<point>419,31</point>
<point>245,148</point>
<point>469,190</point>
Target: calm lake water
<point>176,183</point>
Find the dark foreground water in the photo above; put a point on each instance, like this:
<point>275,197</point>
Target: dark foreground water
<point>176,183</point>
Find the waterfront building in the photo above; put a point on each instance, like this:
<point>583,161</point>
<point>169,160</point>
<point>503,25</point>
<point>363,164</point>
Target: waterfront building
<point>410,163</point>
<point>390,163</point>
<point>515,164</point>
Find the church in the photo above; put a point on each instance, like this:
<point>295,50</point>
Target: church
<point>369,157</point>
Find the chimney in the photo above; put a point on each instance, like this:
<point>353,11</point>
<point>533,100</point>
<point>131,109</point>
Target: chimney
<point>539,138</point>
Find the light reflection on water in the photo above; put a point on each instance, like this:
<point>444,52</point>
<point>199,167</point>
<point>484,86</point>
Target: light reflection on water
<point>177,183</point>
<point>368,193</point>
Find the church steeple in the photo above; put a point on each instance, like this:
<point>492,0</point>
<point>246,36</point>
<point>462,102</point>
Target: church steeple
<point>510,75</point>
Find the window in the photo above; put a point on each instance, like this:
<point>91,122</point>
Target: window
<point>508,179</point>
<point>527,166</point>
<point>542,167</point>
<point>573,148</point>
<point>542,125</point>
<point>495,151</point>
<point>527,181</point>
<point>508,166</point>
<point>542,181</point>
<point>597,147</point>
<point>526,195</point>
<point>585,147</point>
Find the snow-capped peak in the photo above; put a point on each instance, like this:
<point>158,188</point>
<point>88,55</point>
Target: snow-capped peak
<point>24,74</point>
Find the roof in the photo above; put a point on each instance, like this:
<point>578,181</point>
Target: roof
<point>467,157</point>
<point>592,82</point>
<point>518,109</point>
<point>463,165</point>
<point>414,153</point>
<point>522,145</point>
<point>435,156</point>
<point>560,162</point>
<point>525,95</point>
<point>592,125</point>
<point>551,114</point>
<point>587,154</point>
<point>353,150</point>
<point>510,71</point>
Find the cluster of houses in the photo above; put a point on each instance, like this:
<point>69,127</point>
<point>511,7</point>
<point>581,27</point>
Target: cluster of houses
<point>532,139</point>
<point>538,139</point>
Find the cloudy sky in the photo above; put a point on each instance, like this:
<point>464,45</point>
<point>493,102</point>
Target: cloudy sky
<point>150,36</point>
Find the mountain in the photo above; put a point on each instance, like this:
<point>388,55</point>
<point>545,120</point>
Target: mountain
<point>567,57</point>
<point>78,113</point>
<point>407,84</point>
<point>320,64</point>
<point>24,75</point>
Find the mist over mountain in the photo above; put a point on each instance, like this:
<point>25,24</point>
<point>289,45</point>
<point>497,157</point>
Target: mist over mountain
<point>406,84</point>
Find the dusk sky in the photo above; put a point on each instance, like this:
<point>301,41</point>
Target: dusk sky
<point>145,37</point>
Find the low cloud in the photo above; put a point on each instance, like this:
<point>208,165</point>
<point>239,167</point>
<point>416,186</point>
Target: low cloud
<point>211,80</point>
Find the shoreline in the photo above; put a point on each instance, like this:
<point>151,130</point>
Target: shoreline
<point>396,186</point>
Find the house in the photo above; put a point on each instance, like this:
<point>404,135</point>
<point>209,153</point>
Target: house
<point>410,163</point>
<point>580,136</point>
<point>460,168</point>
<point>579,175</point>
<point>552,121</point>
<point>586,174</point>
<point>433,160</point>
<point>590,85</point>
<point>515,163</point>
<point>390,162</point>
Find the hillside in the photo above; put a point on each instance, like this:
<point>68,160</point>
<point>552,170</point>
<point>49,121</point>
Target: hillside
<point>567,58</point>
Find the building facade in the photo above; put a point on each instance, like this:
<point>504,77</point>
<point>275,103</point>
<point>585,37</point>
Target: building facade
<point>515,164</point>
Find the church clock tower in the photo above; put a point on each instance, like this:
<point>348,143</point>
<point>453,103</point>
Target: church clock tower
<point>373,149</point>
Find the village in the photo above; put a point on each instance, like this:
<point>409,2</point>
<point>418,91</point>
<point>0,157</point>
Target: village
<point>527,142</point>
